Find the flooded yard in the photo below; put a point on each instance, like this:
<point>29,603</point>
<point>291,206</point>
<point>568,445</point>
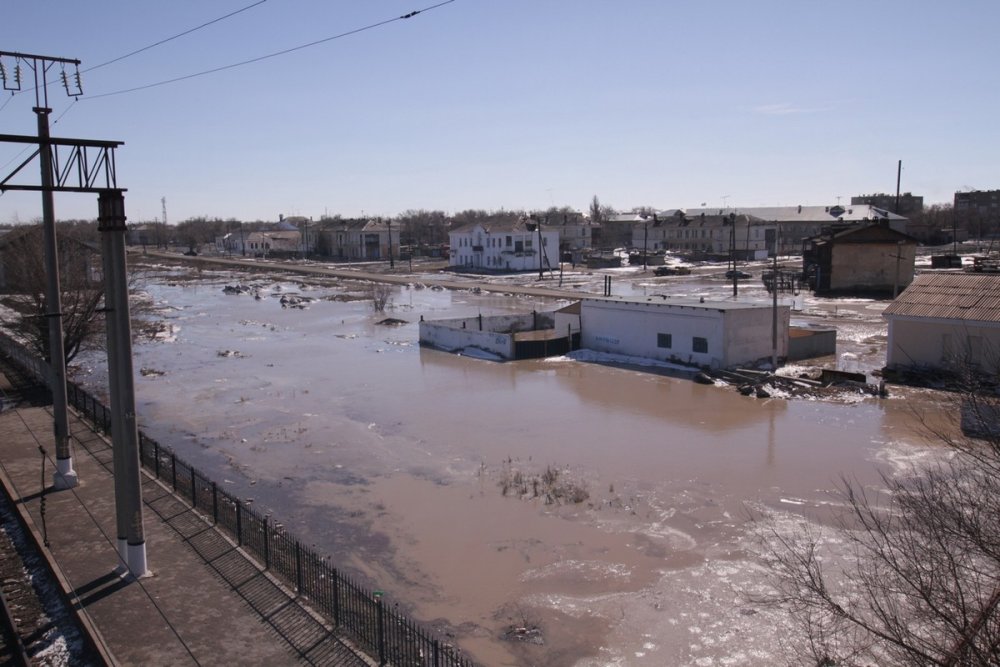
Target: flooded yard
<point>606,506</point>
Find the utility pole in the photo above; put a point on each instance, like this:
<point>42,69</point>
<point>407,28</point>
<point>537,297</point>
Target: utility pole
<point>645,243</point>
<point>540,250</point>
<point>128,482</point>
<point>163,229</point>
<point>732,253</point>
<point>64,476</point>
<point>392,262</point>
<point>899,177</point>
<point>898,256</point>
<point>87,162</point>
<point>774,311</point>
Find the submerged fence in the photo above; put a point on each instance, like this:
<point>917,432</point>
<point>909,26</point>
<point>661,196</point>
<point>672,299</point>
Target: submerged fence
<point>380,630</point>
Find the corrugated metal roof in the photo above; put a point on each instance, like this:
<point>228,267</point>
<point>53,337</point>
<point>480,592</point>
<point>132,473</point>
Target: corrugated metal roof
<point>955,296</point>
<point>829,214</point>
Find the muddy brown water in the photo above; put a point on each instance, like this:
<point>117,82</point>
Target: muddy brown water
<point>393,459</point>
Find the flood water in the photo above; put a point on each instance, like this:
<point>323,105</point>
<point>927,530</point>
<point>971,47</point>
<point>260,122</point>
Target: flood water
<point>394,460</point>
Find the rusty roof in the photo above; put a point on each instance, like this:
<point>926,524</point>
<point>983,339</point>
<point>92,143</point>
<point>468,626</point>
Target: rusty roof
<point>952,296</point>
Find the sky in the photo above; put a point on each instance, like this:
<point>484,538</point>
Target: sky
<point>513,104</point>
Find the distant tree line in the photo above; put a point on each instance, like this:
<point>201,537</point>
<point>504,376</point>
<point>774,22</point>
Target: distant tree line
<point>934,225</point>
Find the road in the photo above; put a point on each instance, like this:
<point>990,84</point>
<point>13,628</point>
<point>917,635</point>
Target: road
<point>355,274</point>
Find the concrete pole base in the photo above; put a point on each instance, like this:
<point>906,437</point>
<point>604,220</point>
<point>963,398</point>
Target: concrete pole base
<point>137,560</point>
<point>64,476</point>
<point>121,546</point>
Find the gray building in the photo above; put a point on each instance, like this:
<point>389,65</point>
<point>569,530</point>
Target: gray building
<point>909,204</point>
<point>978,201</point>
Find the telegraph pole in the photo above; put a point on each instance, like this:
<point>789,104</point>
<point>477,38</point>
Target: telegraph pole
<point>899,178</point>
<point>64,476</point>
<point>162,227</point>
<point>78,165</point>
<point>392,261</point>
<point>128,482</point>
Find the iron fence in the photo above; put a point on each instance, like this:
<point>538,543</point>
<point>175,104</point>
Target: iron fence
<point>383,632</point>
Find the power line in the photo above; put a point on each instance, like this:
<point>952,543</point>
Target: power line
<point>258,59</point>
<point>180,34</point>
<point>150,46</point>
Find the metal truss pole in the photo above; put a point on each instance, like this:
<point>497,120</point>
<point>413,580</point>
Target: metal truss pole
<point>125,441</point>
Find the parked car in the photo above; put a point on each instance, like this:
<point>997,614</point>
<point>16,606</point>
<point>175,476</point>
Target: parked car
<point>671,271</point>
<point>734,273</point>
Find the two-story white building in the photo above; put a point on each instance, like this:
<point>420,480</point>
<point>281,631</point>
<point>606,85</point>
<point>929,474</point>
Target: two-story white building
<point>518,246</point>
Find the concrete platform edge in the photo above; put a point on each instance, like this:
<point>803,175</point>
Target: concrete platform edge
<point>90,634</point>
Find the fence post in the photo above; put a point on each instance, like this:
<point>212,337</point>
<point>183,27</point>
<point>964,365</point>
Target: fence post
<point>194,490</point>
<point>173,469</point>
<point>298,567</point>
<point>215,503</point>
<point>267,544</point>
<point>437,653</point>
<point>336,598</point>
<point>239,523</point>
<point>381,631</point>
<point>156,457</point>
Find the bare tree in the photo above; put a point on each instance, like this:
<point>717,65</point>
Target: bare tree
<point>923,584</point>
<point>82,290</point>
<point>380,295</point>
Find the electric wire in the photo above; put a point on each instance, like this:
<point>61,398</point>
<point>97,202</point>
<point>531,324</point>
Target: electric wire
<point>275,54</point>
<point>145,48</point>
<point>168,39</point>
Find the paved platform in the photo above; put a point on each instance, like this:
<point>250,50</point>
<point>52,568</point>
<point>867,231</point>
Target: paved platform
<point>206,602</point>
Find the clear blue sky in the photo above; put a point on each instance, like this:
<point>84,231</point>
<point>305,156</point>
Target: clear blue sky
<point>519,103</point>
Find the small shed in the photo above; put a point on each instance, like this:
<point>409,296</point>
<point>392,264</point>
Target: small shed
<point>715,334</point>
<point>870,259</point>
<point>945,321</point>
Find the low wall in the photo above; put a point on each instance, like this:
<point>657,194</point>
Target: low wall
<point>494,334</point>
<point>811,342</point>
<point>446,337</point>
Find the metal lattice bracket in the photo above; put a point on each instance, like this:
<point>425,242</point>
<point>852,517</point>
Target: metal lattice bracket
<point>78,165</point>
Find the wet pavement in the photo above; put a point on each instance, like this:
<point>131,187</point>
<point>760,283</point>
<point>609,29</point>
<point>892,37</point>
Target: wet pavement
<point>395,460</point>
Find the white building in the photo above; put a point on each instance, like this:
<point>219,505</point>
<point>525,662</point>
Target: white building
<point>945,321</point>
<point>517,246</point>
<point>718,334</point>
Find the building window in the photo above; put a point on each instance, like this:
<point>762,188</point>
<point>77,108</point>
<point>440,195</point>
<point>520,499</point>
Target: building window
<point>664,340</point>
<point>509,242</point>
<point>699,344</point>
